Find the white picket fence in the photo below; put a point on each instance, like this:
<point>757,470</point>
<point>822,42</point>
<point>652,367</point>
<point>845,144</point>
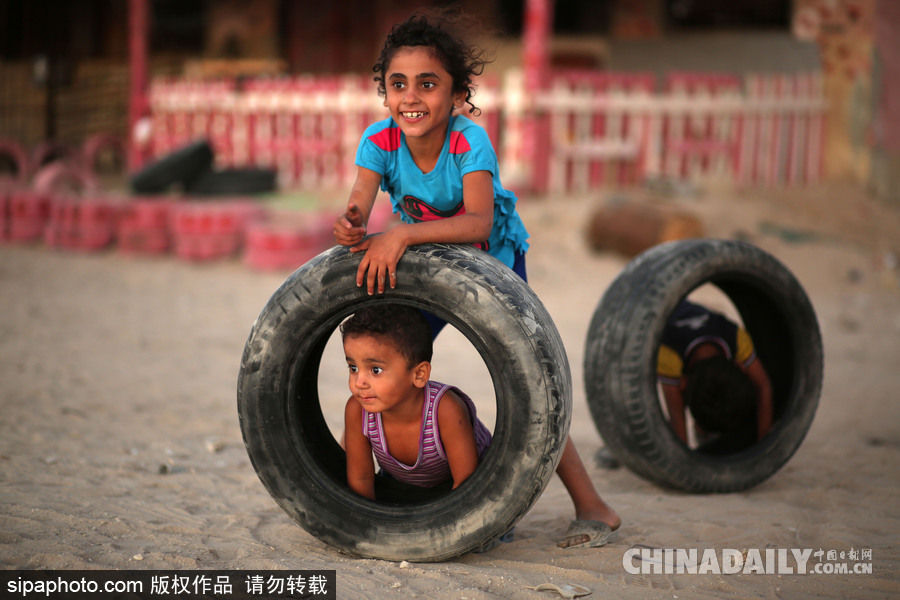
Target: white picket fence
<point>594,129</point>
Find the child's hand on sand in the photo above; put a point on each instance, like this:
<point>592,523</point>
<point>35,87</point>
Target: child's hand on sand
<point>349,229</point>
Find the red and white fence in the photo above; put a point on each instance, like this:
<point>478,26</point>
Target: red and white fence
<point>616,130</point>
<point>595,128</point>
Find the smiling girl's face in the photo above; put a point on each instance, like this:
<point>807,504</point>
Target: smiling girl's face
<point>419,93</point>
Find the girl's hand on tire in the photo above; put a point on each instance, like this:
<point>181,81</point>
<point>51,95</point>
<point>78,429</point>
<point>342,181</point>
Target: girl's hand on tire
<point>378,267</point>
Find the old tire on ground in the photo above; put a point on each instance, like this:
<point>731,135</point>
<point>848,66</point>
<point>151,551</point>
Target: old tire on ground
<point>302,465</point>
<point>179,166</point>
<point>61,177</point>
<point>623,339</point>
<point>233,182</point>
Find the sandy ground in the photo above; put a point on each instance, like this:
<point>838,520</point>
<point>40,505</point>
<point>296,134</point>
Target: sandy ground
<point>120,446</point>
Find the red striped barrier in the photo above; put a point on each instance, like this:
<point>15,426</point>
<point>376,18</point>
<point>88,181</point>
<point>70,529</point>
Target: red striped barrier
<point>28,212</point>
<point>287,241</point>
<point>143,227</point>
<point>84,224</point>
<point>203,231</point>
<point>594,128</point>
<point>5,194</point>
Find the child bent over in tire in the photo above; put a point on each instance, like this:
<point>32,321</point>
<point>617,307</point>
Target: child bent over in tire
<point>707,364</point>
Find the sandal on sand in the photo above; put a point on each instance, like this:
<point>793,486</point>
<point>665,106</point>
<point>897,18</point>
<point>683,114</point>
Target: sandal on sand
<point>598,534</point>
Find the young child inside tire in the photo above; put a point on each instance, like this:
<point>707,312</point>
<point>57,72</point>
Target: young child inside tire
<point>707,364</point>
<point>442,175</point>
<point>421,432</point>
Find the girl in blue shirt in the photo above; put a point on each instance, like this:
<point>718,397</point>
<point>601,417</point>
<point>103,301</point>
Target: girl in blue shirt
<point>441,172</point>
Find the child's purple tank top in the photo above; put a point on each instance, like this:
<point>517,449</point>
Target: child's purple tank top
<point>431,467</point>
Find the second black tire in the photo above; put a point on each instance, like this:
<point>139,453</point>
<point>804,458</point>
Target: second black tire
<point>177,167</point>
<point>303,467</point>
<point>623,341</point>
<point>233,182</point>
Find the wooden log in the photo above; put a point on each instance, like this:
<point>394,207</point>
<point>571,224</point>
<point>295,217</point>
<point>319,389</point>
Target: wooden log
<point>630,228</point>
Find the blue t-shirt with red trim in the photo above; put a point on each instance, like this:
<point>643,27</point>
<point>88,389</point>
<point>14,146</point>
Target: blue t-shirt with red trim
<point>438,194</point>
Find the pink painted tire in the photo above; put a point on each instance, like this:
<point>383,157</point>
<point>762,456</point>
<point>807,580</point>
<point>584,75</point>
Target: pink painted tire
<point>60,177</point>
<point>51,151</point>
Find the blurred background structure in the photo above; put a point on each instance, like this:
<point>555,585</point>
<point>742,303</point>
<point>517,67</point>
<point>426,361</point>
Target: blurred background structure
<point>582,94</point>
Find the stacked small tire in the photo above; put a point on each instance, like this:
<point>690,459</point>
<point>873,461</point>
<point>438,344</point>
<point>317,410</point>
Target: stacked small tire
<point>191,167</point>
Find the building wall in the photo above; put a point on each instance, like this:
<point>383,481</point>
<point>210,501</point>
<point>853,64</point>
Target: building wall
<point>320,39</point>
<point>242,29</point>
<point>93,100</point>
<point>637,19</point>
<point>885,175</point>
<point>844,32</point>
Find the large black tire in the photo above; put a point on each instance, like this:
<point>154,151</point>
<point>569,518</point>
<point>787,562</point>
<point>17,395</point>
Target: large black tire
<point>623,341</point>
<point>177,167</point>
<point>233,182</point>
<point>303,466</point>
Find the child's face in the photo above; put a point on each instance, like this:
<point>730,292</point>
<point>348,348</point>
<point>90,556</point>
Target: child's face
<point>419,93</point>
<point>380,377</point>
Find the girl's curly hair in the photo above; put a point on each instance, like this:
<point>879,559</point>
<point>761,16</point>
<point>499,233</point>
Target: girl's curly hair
<point>442,32</point>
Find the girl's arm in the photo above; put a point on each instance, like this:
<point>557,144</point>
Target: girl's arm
<point>350,227</point>
<point>383,252</point>
<point>764,411</point>
<point>457,437</point>
<point>360,466</point>
<point>675,406</point>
